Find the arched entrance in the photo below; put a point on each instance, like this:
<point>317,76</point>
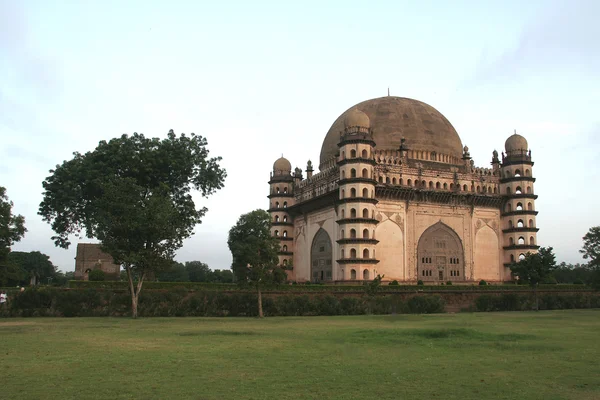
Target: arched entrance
<point>440,255</point>
<point>321,256</point>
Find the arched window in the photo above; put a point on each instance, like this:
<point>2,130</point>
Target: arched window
<point>342,233</point>
<point>511,241</point>
<point>527,172</point>
<point>276,233</point>
<point>495,190</point>
<point>401,182</point>
<point>285,189</point>
<point>352,213</point>
<point>343,214</point>
<point>352,153</point>
<point>284,262</point>
<point>529,206</point>
<point>507,174</point>
<point>531,241</point>
<point>277,189</point>
<point>478,189</point>
<point>352,192</point>
<point>519,207</point>
<point>520,223</point>
<point>512,258</point>
<point>507,190</point>
<point>353,274</point>
<point>352,253</point>
<point>423,184</point>
<point>394,181</point>
<point>366,275</point>
<point>517,172</point>
<point>451,186</point>
<point>365,192</point>
<point>365,154</point>
<point>510,224</point>
<point>343,256</point>
<point>430,185</point>
<point>366,253</point>
<point>365,233</point>
<point>416,183</point>
<point>529,189</point>
<point>531,223</point>
<point>365,173</point>
<point>277,204</point>
<point>445,186</point>
<point>343,194</point>
<point>521,256</point>
<point>343,174</point>
<point>277,218</point>
<point>353,233</point>
<point>284,233</point>
<point>285,204</point>
<point>521,240</point>
<point>285,218</point>
<point>465,189</point>
<point>409,182</point>
<point>387,180</point>
<point>380,179</point>
<point>352,173</point>
<point>284,247</point>
<point>365,213</point>
<point>518,190</point>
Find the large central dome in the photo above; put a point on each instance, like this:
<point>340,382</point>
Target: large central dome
<point>394,118</point>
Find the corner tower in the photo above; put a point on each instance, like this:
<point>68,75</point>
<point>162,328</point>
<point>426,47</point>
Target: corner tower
<point>281,196</point>
<point>519,214</point>
<point>357,203</point>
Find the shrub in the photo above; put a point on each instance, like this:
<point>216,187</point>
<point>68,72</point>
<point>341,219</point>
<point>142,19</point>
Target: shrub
<point>449,283</point>
<point>96,275</point>
<point>394,283</point>
<point>428,304</point>
<point>578,282</point>
<point>482,283</point>
<point>419,283</point>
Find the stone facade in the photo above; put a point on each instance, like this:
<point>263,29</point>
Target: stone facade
<point>90,257</point>
<point>396,196</point>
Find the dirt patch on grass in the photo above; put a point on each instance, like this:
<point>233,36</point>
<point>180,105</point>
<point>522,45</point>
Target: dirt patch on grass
<point>16,323</point>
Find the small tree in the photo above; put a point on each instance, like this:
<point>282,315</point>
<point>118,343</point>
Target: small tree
<point>534,268</point>
<point>591,251</point>
<point>96,275</point>
<point>254,253</point>
<point>133,194</point>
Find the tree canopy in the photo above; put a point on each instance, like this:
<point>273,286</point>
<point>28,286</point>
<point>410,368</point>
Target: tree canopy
<point>134,195</point>
<point>255,252</point>
<point>591,251</point>
<point>12,227</point>
<point>534,268</point>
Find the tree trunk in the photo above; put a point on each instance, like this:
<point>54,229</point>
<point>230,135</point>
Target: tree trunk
<point>135,292</point>
<point>260,310</point>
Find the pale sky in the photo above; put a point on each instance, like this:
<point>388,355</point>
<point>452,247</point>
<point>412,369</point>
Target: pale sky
<point>259,79</point>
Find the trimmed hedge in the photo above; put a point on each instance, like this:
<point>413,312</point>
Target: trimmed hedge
<point>122,285</point>
<point>526,302</point>
<point>181,302</point>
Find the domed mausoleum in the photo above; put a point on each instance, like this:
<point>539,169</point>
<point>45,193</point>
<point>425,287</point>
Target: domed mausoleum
<point>398,195</point>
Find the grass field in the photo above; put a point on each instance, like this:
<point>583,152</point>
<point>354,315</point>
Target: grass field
<point>545,355</point>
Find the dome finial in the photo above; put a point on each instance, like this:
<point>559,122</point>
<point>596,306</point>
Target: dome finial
<point>388,91</point>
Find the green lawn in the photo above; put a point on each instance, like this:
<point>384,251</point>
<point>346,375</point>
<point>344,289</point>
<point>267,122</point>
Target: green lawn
<point>546,355</point>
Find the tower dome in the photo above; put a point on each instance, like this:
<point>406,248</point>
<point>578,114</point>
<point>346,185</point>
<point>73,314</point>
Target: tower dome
<point>515,142</point>
<point>355,117</point>
<point>393,118</point>
<point>282,166</point>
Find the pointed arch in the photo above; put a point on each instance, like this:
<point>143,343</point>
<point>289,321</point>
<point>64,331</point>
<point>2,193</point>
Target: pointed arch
<point>321,256</point>
<point>443,246</point>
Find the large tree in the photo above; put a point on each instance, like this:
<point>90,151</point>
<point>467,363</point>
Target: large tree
<point>12,227</point>
<point>534,268</point>
<point>35,267</point>
<point>254,253</point>
<point>134,195</point>
<point>591,252</point>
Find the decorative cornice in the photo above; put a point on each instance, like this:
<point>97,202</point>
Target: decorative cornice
<point>357,180</point>
<point>358,200</point>
<point>357,261</point>
<point>519,212</point>
<point>357,241</point>
<point>517,179</point>
<point>357,221</point>
<point>521,247</point>
<point>521,229</point>
<point>357,160</point>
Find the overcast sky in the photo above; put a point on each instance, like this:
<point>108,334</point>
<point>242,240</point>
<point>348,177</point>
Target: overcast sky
<point>259,79</point>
